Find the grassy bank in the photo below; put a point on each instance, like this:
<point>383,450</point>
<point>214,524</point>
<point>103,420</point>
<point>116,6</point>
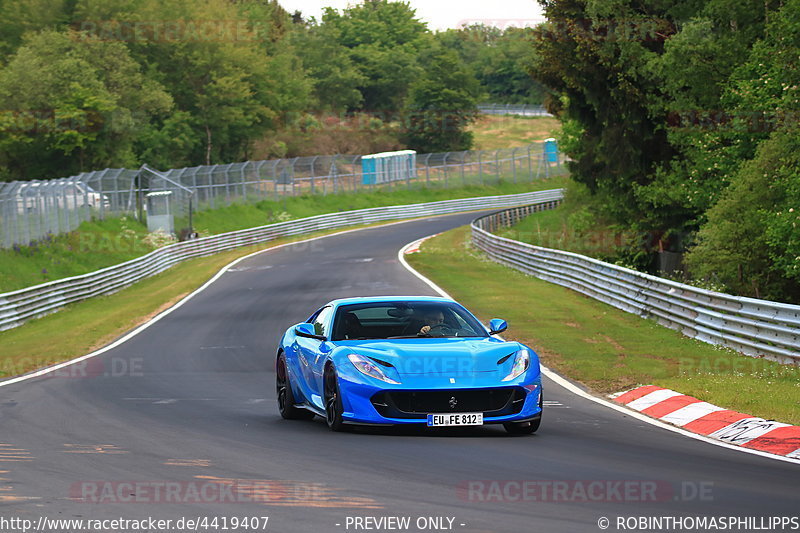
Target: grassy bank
<point>604,348</point>
<point>574,228</point>
<point>493,132</point>
<point>99,244</point>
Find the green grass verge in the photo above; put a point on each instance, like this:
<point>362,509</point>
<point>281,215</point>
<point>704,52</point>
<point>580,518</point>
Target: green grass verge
<point>99,244</point>
<point>573,227</point>
<point>492,132</point>
<point>600,346</point>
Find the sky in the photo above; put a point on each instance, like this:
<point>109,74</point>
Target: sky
<point>443,14</point>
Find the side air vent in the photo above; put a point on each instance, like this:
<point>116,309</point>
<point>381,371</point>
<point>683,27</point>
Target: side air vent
<point>504,359</point>
<point>382,363</point>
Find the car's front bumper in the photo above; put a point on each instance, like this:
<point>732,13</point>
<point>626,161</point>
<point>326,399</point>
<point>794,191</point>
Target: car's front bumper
<point>377,405</point>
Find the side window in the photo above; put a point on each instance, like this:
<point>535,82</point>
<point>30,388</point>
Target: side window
<point>321,322</point>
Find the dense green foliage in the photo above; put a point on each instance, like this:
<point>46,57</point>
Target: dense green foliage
<point>89,84</point>
<point>680,118</point>
<point>500,60</point>
<point>441,105</point>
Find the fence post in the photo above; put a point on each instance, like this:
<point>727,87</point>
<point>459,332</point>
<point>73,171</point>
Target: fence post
<point>464,168</point>
<point>428,170</point>
<point>259,179</point>
<point>294,162</point>
<point>530,164</point>
<point>244,181</point>
<point>497,164</point>
<point>514,162</point>
<point>480,166</point>
<point>313,174</point>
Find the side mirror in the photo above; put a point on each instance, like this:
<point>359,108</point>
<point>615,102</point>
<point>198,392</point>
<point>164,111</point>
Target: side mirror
<point>497,325</point>
<point>307,330</point>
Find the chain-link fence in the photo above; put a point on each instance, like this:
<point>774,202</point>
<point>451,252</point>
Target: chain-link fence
<point>32,210</point>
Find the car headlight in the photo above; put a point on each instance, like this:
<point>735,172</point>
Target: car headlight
<point>370,368</point>
<point>522,361</point>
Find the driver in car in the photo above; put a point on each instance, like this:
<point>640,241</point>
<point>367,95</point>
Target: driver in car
<point>433,320</point>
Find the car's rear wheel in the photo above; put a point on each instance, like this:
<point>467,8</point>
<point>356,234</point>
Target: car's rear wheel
<point>333,400</point>
<point>526,428</point>
<point>286,401</point>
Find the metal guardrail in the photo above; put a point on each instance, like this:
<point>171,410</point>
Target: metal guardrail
<point>22,305</point>
<point>757,328</point>
<point>523,110</point>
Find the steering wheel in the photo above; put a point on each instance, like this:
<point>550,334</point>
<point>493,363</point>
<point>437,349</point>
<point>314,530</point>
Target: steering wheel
<point>437,327</point>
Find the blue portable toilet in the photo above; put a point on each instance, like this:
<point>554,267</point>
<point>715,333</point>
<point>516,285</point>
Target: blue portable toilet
<point>551,150</point>
<point>368,169</point>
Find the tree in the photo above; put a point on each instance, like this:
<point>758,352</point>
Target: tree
<point>593,54</point>
<point>441,105</point>
<point>500,60</point>
<point>695,77</point>
<point>751,235</point>
<point>750,240</point>
<point>384,40</point>
<point>73,105</point>
<point>228,66</point>
<point>334,75</point>
<point>18,17</point>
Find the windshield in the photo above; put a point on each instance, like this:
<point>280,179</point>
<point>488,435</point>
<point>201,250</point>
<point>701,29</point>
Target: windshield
<point>393,320</point>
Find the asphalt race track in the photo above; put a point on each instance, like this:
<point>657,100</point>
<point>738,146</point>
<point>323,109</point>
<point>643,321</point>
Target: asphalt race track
<point>187,410</point>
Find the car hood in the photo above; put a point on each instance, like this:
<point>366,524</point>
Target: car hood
<point>440,357</point>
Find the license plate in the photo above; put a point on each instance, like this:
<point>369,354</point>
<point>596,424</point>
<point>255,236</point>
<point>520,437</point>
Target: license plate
<point>455,419</point>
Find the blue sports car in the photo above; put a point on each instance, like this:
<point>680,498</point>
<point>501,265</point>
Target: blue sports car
<point>406,360</point>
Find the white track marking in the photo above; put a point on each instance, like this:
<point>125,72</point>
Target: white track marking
<point>570,387</point>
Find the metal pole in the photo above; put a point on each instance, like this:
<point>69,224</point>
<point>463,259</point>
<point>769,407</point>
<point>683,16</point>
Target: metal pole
<point>294,162</point>
<point>259,181</point>
<point>530,164</point>
<point>514,162</point>
<point>428,171</point>
<point>244,181</point>
<point>313,174</point>
<point>227,175</point>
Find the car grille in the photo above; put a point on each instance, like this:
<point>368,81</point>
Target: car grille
<point>417,404</point>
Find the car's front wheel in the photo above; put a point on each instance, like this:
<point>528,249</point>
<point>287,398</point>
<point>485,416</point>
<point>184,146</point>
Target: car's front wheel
<point>526,428</point>
<point>286,401</point>
<point>333,400</point>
